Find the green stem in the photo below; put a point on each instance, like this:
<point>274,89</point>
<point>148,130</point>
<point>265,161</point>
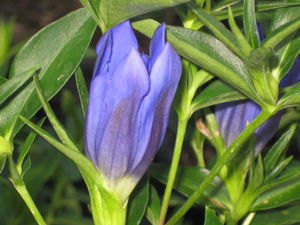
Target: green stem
<point>182,123</point>
<point>230,152</point>
<point>22,190</point>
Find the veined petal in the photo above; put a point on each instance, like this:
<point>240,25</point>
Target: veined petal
<point>157,44</point>
<point>154,112</point>
<point>114,102</point>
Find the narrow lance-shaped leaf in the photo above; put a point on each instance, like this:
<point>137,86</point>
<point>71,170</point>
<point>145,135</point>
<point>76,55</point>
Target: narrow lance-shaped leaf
<point>260,7</point>
<point>218,29</point>
<point>250,26</point>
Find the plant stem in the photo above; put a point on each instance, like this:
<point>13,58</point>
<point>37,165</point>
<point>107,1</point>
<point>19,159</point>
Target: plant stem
<point>182,123</point>
<point>19,185</point>
<point>22,190</point>
<point>230,152</point>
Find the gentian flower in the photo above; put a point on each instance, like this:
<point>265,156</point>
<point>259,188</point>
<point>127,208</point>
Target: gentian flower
<point>233,117</point>
<point>129,104</point>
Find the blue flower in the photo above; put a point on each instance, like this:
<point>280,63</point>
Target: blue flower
<point>129,104</point>
<point>233,117</point>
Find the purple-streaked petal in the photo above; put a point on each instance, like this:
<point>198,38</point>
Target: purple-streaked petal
<point>146,59</point>
<point>154,113</point>
<point>157,44</point>
<point>108,120</point>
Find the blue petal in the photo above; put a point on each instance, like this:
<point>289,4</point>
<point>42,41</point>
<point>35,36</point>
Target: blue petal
<point>146,59</point>
<point>114,46</point>
<point>114,103</point>
<point>293,76</point>
<point>157,44</point>
<point>154,113</point>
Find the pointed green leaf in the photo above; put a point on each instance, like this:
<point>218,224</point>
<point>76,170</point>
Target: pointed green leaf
<point>2,162</point>
<point>279,196</point>
<point>138,202</point>
<point>82,90</point>
<point>260,7</point>
<point>276,151</point>
<point>70,37</point>
<point>291,97</point>
<point>284,216</point>
<point>13,84</point>
<point>154,206</point>
<point>216,93</point>
<point>281,33</point>
<point>289,49</point>
<point>189,178</point>
<point>250,24</point>
<point>218,29</point>
<point>211,217</point>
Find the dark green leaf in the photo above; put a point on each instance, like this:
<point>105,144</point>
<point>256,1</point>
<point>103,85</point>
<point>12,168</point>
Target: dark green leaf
<point>69,38</point>
<point>211,217</point>
<point>276,151</point>
<point>82,90</point>
<point>154,205</point>
<point>289,49</point>
<point>285,216</point>
<point>218,29</point>
<point>138,202</point>
<point>250,25</point>
<point>189,178</point>
<point>15,83</point>
<point>26,166</point>
<point>216,93</point>
<point>115,11</point>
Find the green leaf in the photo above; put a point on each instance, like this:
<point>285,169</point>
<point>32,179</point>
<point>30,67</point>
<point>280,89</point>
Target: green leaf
<point>211,217</point>
<point>289,49</point>
<point>257,175</point>
<point>216,93</point>
<point>69,38</point>
<point>154,206</point>
<point>291,97</point>
<point>260,7</point>
<point>189,178</point>
<point>250,25</point>
<point>285,216</point>
<point>82,90</point>
<point>138,202</point>
<point>281,33</point>
<point>13,84</point>
<point>115,11</point>
<point>273,156</point>
<point>218,29</point>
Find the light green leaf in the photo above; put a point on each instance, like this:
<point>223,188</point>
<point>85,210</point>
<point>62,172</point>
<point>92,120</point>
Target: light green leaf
<point>250,25</point>
<point>260,7</point>
<point>69,38</point>
<point>291,97</point>
<point>215,93</point>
